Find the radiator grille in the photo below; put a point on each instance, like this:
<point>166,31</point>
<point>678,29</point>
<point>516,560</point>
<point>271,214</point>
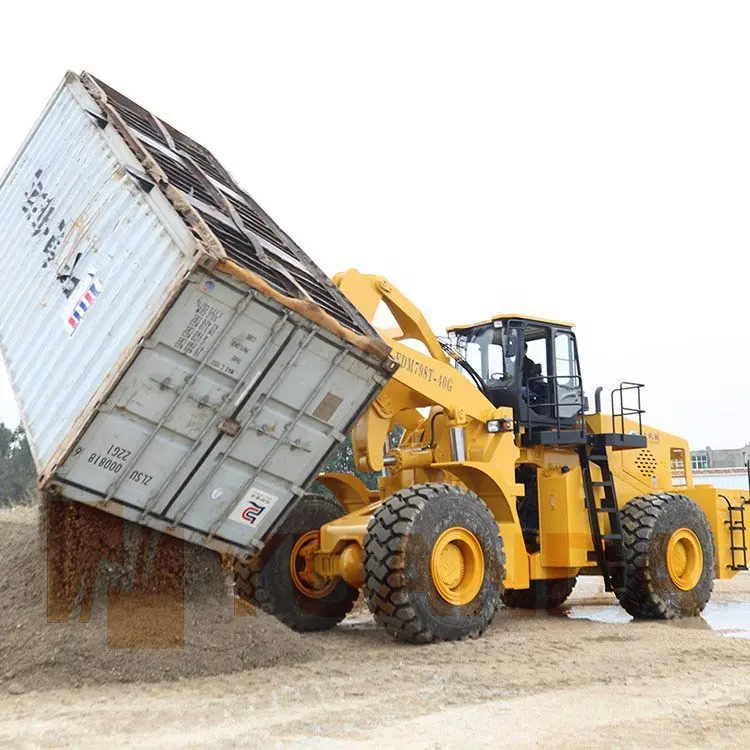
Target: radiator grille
<point>645,461</point>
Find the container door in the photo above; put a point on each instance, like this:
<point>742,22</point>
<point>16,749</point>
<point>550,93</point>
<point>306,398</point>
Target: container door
<point>227,413</point>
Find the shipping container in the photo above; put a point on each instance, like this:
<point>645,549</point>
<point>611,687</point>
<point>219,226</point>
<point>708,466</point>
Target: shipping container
<point>176,358</point>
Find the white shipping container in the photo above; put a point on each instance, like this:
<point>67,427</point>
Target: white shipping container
<point>176,358</point>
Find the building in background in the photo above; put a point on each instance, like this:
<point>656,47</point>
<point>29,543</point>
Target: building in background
<point>724,468</point>
<point>720,458</point>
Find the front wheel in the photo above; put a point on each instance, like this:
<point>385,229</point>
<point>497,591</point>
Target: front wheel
<point>282,580</point>
<point>433,564</point>
<point>669,557</point>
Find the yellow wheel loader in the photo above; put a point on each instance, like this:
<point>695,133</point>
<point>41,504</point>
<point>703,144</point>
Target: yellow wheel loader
<point>501,488</point>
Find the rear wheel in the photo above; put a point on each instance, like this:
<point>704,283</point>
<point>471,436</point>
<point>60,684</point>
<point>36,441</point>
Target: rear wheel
<point>282,580</point>
<point>669,557</point>
<point>549,594</point>
<point>433,564</point>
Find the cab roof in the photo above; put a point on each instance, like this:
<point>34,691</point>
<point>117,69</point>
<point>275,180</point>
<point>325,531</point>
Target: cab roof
<point>511,316</point>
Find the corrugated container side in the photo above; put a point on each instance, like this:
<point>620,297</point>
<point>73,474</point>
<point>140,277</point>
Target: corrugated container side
<point>69,209</point>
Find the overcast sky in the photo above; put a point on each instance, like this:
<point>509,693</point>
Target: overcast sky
<point>587,161</point>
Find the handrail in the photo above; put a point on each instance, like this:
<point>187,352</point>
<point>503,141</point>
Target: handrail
<point>556,404</point>
<point>741,527</point>
<point>628,411</point>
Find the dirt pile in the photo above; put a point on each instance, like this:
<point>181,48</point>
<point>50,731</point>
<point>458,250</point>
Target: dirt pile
<point>147,609</point>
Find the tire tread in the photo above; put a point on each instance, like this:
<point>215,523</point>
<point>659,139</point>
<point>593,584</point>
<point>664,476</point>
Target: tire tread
<point>639,519</point>
<point>254,585</point>
<point>385,562</point>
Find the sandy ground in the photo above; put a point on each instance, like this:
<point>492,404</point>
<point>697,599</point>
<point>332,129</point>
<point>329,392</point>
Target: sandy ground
<point>532,680</point>
<point>147,610</point>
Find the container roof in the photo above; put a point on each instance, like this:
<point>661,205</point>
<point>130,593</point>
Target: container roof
<point>246,232</point>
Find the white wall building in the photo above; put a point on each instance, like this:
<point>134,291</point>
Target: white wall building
<point>733,478</point>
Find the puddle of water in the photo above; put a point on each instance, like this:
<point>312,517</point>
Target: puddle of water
<point>731,619</point>
<point>727,618</point>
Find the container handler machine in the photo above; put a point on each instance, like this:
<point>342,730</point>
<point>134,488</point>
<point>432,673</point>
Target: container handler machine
<point>501,488</point>
<point>181,363</point>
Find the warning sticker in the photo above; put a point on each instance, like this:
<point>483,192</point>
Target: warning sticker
<point>253,505</point>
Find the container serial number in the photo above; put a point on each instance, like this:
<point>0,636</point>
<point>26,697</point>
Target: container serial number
<point>140,478</point>
<point>103,462</point>
<point>117,451</point>
<point>108,463</point>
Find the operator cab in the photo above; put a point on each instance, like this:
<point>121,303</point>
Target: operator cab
<point>528,364</point>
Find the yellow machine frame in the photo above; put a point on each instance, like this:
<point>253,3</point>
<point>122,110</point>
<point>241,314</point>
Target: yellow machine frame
<point>427,379</point>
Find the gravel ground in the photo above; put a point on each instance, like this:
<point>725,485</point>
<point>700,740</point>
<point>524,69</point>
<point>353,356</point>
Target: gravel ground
<point>584,677</point>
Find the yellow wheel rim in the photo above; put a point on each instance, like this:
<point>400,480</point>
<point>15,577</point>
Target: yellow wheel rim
<point>302,569</point>
<point>457,565</point>
<point>684,559</point>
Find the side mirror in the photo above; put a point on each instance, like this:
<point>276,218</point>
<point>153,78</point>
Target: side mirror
<point>510,344</point>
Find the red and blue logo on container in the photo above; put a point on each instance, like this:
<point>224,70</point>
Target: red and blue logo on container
<point>84,302</point>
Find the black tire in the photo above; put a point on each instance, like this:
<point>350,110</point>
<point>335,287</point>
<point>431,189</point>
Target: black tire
<point>549,594</point>
<point>399,588</point>
<point>648,523</point>
<point>266,580</point>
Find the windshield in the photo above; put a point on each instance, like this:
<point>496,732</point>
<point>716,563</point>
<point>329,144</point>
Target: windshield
<point>486,350</point>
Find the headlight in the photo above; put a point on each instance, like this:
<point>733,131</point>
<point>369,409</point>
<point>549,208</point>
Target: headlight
<point>500,425</point>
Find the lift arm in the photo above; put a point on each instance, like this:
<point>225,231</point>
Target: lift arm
<point>422,380</point>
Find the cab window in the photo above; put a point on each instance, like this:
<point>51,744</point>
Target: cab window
<point>536,350</point>
<point>567,382</point>
<point>489,354</point>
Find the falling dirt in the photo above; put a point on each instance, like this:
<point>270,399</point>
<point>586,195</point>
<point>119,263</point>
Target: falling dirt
<point>533,680</point>
<point>167,630</point>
